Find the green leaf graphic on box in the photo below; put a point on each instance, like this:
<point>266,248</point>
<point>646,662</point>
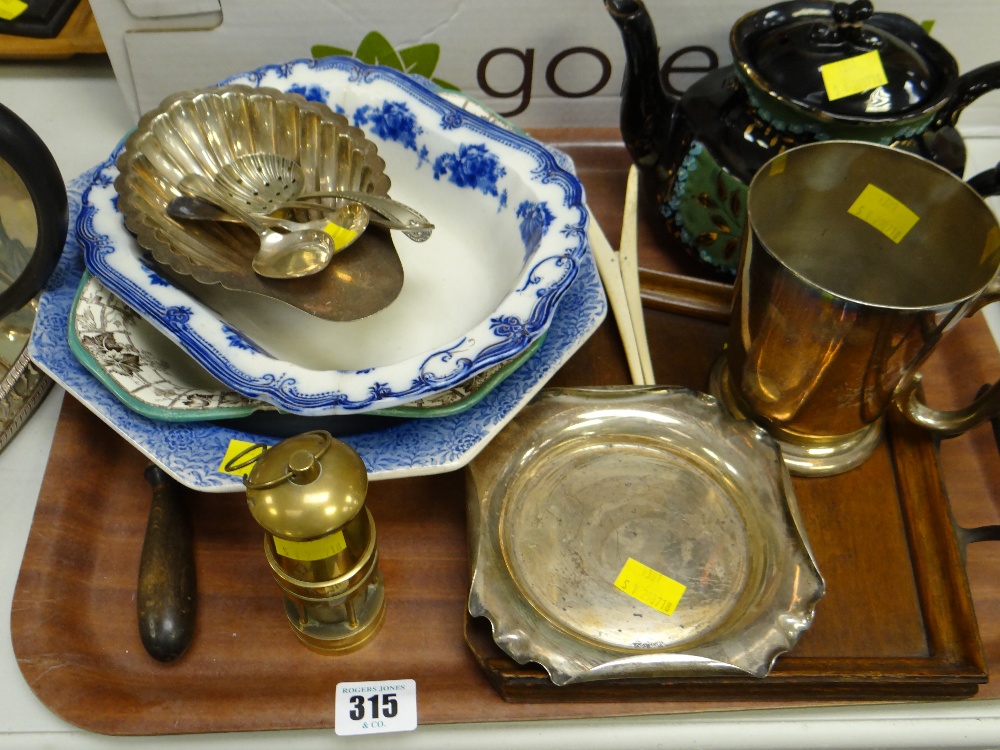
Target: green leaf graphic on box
<point>375,49</point>
<point>420,59</point>
<point>323,50</point>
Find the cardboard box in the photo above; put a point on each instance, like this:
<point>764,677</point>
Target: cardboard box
<point>543,64</point>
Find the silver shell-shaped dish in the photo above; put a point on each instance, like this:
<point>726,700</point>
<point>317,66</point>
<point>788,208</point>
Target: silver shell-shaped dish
<point>206,132</point>
<point>587,487</point>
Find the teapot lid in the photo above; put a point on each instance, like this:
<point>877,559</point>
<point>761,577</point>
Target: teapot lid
<point>782,49</point>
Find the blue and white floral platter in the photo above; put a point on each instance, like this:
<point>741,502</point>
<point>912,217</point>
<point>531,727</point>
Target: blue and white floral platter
<point>193,452</point>
<point>510,239</point>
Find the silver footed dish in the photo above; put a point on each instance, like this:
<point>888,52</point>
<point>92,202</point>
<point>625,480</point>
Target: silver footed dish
<point>637,532</point>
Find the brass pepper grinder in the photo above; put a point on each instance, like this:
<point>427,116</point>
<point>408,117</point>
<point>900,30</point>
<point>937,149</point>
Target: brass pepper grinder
<point>308,494</point>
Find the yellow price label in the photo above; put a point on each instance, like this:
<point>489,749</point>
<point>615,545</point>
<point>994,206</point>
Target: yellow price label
<point>235,448</point>
<point>316,549</point>
<point>11,9</point>
<point>884,212</point>
<point>854,75</point>
<point>341,235</point>
<point>650,586</point>
<point>777,165</point>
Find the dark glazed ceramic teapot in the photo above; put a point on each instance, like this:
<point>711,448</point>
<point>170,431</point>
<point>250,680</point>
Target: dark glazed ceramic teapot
<point>803,70</point>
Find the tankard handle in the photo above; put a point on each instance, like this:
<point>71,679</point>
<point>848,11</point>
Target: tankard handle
<point>951,423</point>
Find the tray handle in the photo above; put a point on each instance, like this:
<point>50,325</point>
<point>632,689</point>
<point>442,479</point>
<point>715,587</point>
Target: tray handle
<point>990,532</point>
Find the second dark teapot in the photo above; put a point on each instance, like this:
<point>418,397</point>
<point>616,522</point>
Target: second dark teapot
<point>803,71</point>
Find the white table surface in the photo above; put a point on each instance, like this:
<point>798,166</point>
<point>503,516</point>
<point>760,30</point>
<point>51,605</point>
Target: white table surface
<point>79,112</point>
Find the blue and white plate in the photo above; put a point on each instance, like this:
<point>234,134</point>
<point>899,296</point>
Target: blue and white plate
<point>192,452</point>
<point>154,377</point>
<point>510,238</point>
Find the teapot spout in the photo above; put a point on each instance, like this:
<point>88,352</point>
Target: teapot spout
<point>647,111</point>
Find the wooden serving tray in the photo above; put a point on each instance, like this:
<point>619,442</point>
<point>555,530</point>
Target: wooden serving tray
<point>897,623</point>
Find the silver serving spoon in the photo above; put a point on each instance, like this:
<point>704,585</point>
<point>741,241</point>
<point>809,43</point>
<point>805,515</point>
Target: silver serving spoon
<point>266,183</point>
<point>282,255</point>
<point>195,208</point>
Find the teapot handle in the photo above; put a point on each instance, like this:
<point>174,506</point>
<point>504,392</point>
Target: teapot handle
<point>987,183</point>
<point>970,87</point>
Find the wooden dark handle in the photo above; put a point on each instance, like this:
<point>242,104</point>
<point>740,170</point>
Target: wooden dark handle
<point>167,590</point>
